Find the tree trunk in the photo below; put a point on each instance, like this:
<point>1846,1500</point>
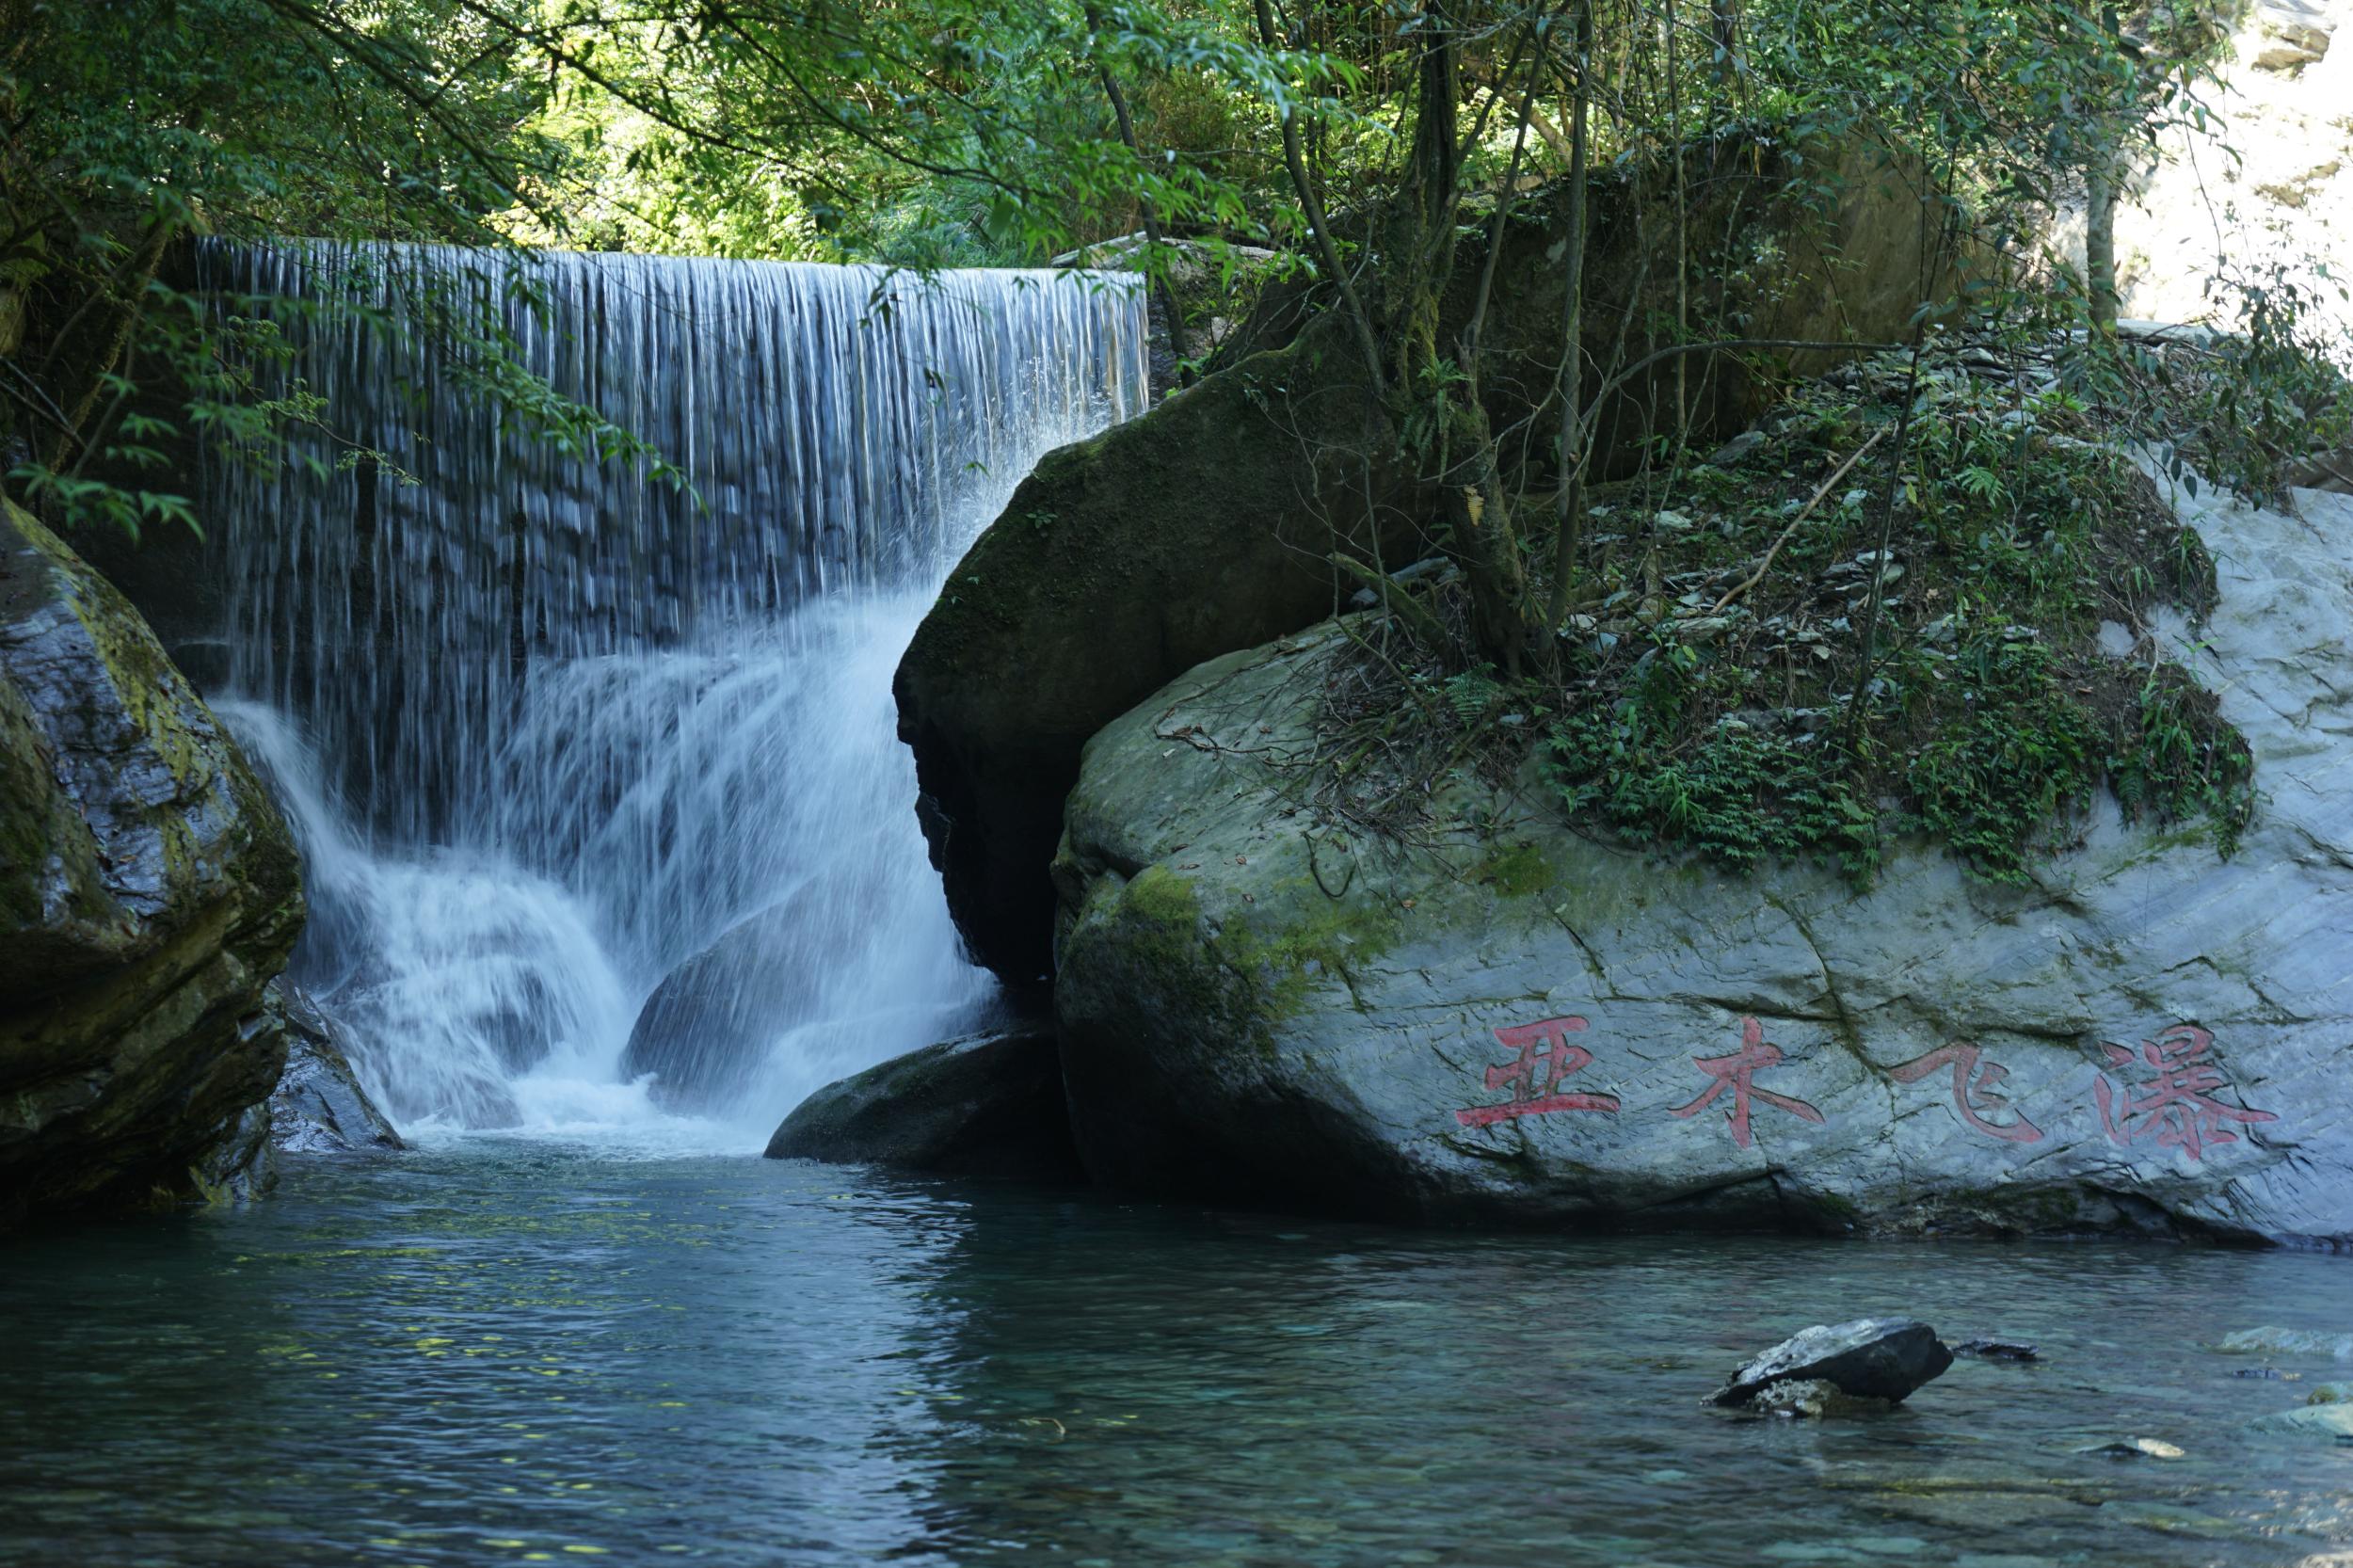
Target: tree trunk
<point>1569,541</point>
<point>1294,160</point>
<point>2103,184</point>
<point>91,343</point>
<point>1724,24</point>
<point>1151,216</point>
<point>2102,189</point>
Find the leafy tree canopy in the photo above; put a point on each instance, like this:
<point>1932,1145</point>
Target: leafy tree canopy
<point>927,133</point>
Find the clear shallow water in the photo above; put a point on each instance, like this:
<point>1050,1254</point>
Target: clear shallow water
<point>500,1350</point>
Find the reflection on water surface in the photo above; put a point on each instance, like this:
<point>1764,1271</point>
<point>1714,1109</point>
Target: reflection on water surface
<point>502,1352</point>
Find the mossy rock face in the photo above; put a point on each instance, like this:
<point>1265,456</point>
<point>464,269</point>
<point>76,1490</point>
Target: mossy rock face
<point>1205,526</point>
<point>1802,237</point>
<point>1503,1017</point>
<point>1801,240</point>
<point>1123,561</point>
<point>149,892</point>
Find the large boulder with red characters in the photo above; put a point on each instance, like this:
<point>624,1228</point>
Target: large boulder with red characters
<point>1502,1020</point>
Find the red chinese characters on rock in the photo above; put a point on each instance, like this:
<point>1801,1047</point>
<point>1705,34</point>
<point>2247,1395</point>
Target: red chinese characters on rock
<point>1738,1073</point>
<point>1973,1099</point>
<point>1545,1044</point>
<point>2176,1106</point>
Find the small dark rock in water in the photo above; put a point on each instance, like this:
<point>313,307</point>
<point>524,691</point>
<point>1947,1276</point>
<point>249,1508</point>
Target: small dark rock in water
<point>1877,1358</point>
<point>1997,1350</point>
<point>2261,1375</point>
<point>990,1105</point>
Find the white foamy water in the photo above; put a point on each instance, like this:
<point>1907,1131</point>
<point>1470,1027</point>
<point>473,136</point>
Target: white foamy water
<point>549,730</point>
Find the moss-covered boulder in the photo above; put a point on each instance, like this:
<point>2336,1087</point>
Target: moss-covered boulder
<point>1207,525</point>
<point>1501,1017</point>
<point>149,892</point>
<point>1797,237</point>
<point>1202,527</point>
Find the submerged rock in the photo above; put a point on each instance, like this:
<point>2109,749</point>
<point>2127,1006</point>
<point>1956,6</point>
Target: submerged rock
<point>1997,1350</point>
<point>2268,1340</point>
<point>986,1105</point>
<point>319,1106</point>
<point>2312,1420</point>
<point>149,892</point>
<point>2134,1448</point>
<point>1871,1358</point>
<point>1505,1019</point>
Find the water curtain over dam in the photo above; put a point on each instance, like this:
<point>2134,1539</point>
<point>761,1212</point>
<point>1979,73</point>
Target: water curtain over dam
<point>562,734</point>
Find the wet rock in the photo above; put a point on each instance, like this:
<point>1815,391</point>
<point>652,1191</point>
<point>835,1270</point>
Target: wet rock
<point>716,1007</point>
<point>987,1105</point>
<point>1872,1358</point>
<point>2132,1447</point>
<point>1526,1024</point>
<point>716,1015</point>
<point>2268,1340</point>
<point>1812,1399</point>
<point>149,892</point>
<point>2334,1421</point>
<point>243,1166</point>
<point>1997,1350</point>
<point>319,1106</point>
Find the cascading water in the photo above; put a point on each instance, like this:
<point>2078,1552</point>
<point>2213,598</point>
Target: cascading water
<point>559,736</point>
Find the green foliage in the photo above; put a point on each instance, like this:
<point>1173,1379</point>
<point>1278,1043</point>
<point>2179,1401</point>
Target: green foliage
<point>2020,753</point>
<point>2247,407</point>
<point>2016,95</point>
<point>1982,713</point>
<point>132,124</point>
<point>1474,694</point>
<point>1735,797</point>
<point>2177,762</point>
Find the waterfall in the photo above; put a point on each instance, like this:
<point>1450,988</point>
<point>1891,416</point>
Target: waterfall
<point>594,765</point>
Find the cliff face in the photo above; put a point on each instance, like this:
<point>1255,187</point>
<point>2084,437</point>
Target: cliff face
<point>1506,1022</point>
<point>149,892</point>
